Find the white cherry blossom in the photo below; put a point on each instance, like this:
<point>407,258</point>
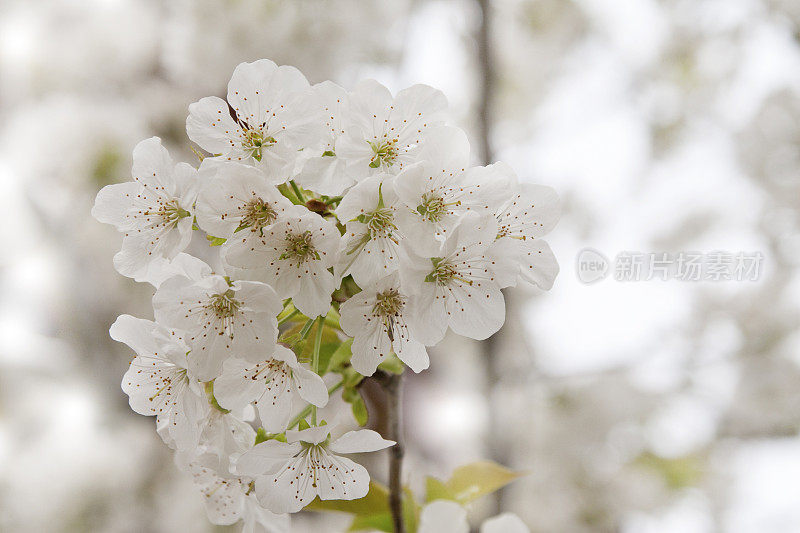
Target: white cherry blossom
<point>446,515</point>
<point>290,474</point>
<point>219,319</point>
<point>228,499</point>
<point>306,187</point>
<point>370,246</point>
<point>189,266</point>
<point>377,319</point>
<point>293,256</point>
<point>381,132</point>
<point>256,519</point>
<point>223,434</point>
<point>504,523</point>
<point>270,384</point>
<point>158,381</point>
<point>457,288</point>
<point>440,189</point>
<point>154,211</point>
<point>519,253</point>
<point>443,515</point>
<point>274,115</point>
<point>238,198</point>
<point>323,171</point>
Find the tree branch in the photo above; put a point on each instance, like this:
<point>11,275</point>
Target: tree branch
<point>393,387</point>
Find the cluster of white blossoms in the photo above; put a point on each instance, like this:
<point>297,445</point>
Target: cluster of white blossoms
<point>331,215</point>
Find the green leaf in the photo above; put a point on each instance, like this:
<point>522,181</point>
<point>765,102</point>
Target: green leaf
<point>411,510</point>
<point>379,522</point>
<point>304,348</point>
<point>383,521</point>
<point>215,241</point>
<point>376,502</point>
<point>677,472</point>
<point>360,411</point>
<point>303,425</point>
<point>470,482</point>
<point>342,355</point>
<point>392,364</point>
<point>436,490</point>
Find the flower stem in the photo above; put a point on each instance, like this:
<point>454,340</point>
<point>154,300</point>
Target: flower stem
<point>288,317</point>
<point>305,412</point>
<point>393,387</point>
<point>306,329</point>
<point>297,191</point>
<point>315,360</point>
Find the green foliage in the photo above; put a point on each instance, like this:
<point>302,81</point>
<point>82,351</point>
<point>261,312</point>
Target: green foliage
<point>331,360</point>
<point>360,411</point>
<point>107,165</point>
<point>392,364</point>
<point>373,522</point>
<point>470,482</point>
<point>338,358</point>
<point>374,503</point>
<point>304,347</point>
<point>677,472</point>
<point>215,241</point>
<point>262,435</point>
<point>372,513</point>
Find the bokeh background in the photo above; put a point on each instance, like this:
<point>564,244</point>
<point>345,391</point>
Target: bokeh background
<point>638,407</point>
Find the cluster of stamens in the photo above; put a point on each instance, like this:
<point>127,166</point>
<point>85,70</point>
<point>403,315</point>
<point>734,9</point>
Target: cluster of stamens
<point>385,153</point>
<point>255,141</point>
<point>224,306</point>
<point>300,247</point>
<point>444,272</point>
<point>380,222</point>
<point>258,214</point>
<point>433,207</point>
<point>168,213</point>
<point>388,303</point>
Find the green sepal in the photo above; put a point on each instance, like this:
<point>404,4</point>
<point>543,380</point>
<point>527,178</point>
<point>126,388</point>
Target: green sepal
<point>215,241</point>
<point>212,400</point>
<point>262,435</point>
<point>303,425</point>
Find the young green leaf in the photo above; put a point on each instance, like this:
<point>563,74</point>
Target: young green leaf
<point>470,482</point>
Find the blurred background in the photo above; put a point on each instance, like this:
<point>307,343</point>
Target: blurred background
<point>635,407</point>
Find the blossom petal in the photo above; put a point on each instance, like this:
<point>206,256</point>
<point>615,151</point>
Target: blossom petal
<point>341,479</point>
<point>504,523</point>
<point>476,311</point>
<point>113,201</point>
<point>264,458</point>
<point>362,440</point>
<point>210,125</point>
<point>310,386</point>
<point>443,515</point>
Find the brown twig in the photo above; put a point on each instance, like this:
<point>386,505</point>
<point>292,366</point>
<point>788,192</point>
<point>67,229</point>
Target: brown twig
<point>393,387</point>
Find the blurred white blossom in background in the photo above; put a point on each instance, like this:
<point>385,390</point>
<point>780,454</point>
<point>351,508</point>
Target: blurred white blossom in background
<point>639,407</point>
